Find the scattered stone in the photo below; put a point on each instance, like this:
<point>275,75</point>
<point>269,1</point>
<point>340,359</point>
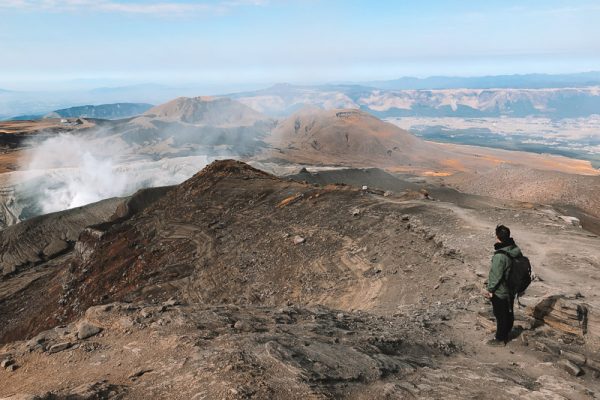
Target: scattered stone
<point>388,193</point>
<point>36,343</point>
<point>171,302</point>
<point>570,367</point>
<point>242,326</point>
<point>355,212</point>
<point>139,373</point>
<point>486,321</point>
<point>593,364</point>
<point>59,347</point>
<point>8,269</point>
<point>576,358</point>
<point>405,217</point>
<point>571,220</point>
<point>545,348</point>
<point>12,367</point>
<point>6,362</point>
<point>87,330</point>
<point>299,239</point>
<point>55,248</point>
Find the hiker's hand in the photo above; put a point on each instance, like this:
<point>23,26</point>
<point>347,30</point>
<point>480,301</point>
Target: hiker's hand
<point>487,295</point>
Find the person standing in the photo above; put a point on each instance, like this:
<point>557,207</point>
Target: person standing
<point>498,290</point>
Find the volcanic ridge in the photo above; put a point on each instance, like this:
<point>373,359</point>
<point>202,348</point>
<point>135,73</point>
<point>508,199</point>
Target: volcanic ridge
<point>239,284</point>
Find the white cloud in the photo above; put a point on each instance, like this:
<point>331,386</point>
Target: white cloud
<point>115,6</point>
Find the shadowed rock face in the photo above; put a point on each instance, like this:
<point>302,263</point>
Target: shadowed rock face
<point>40,239</point>
<point>36,252</point>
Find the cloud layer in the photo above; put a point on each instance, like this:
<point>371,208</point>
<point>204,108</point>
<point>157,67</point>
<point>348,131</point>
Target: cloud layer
<point>129,7</point>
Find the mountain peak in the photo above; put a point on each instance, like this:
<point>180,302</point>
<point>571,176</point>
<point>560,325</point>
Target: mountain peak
<point>206,110</point>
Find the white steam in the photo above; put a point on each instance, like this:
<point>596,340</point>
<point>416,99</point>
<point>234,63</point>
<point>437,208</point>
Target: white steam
<point>68,171</point>
<point>77,173</point>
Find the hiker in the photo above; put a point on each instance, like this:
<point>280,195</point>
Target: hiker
<point>498,290</point>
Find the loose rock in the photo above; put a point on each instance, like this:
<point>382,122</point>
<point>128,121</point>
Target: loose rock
<point>55,247</point>
<point>570,367</point>
<point>299,239</point>
<point>87,330</point>
<point>576,358</point>
<point>242,326</point>
<point>59,347</point>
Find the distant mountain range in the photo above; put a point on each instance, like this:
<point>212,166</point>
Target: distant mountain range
<point>103,111</point>
<point>554,96</point>
<point>282,100</point>
<point>526,81</point>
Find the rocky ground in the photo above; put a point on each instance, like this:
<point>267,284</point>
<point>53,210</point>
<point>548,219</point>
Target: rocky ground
<point>237,284</point>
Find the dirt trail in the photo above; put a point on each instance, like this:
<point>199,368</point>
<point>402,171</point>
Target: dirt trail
<point>563,255</point>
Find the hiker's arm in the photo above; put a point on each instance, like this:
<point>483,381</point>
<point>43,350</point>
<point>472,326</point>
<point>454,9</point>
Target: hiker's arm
<point>496,272</point>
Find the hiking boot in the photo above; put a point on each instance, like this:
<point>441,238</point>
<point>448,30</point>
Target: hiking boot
<point>495,343</point>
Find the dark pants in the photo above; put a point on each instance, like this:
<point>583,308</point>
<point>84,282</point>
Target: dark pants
<point>503,311</point>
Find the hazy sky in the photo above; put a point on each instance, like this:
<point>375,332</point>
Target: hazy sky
<point>303,41</point>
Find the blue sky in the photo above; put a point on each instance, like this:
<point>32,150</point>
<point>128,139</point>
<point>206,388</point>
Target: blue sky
<point>301,41</point>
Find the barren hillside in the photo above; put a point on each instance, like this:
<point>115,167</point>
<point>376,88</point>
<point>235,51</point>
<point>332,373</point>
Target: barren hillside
<point>211,111</point>
<point>342,134</point>
<point>237,284</point>
<point>526,184</point>
<point>352,138</point>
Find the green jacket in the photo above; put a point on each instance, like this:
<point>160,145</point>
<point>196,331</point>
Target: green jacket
<point>499,271</point>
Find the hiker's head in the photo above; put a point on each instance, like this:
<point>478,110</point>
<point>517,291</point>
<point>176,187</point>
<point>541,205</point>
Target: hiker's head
<point>502,233</point>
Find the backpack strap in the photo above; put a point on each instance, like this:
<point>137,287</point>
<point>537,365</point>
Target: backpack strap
<point>511,258</point>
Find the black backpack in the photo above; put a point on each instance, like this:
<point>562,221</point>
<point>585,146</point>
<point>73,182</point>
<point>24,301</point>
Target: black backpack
<point>519,275</point>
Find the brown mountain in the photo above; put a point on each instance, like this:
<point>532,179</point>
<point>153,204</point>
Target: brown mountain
<point>355,138</point>
<point>348,136</point>
<point>198,125</point>
<point>211,111</point>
